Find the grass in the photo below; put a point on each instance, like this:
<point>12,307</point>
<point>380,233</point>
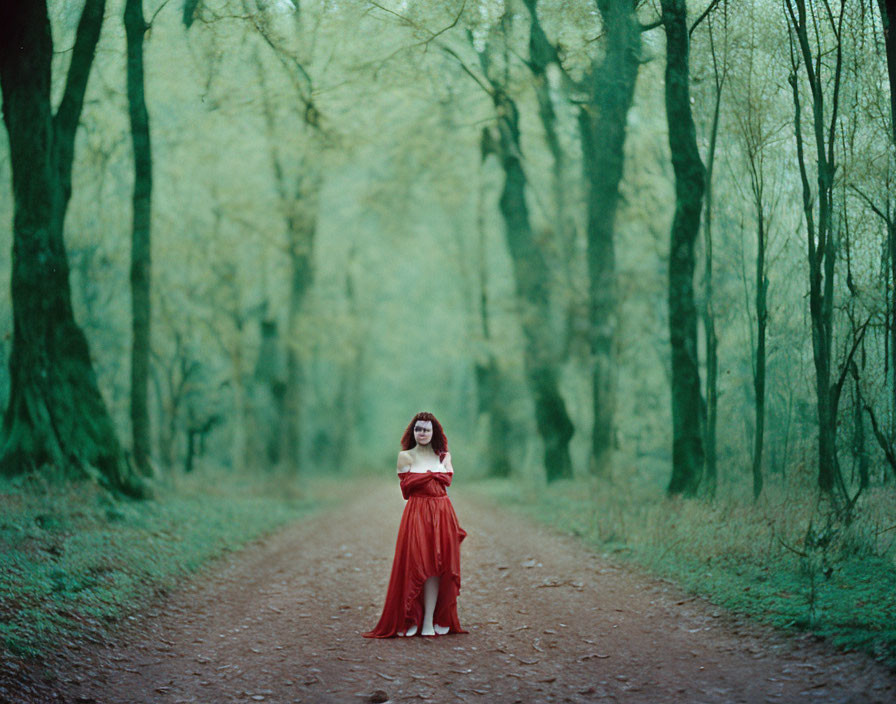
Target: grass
<point>760,560</point>
<point>73,560</point>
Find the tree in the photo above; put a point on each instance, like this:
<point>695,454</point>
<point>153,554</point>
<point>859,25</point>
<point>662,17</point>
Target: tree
<point>757,133</point>
<point>55,414</point>
<point>688,411</point>
<point>888,20</point>
<point>298,189</point>
<point>609,87</point>
<point>490,378</point>
<point>141,262</point>
<point>711,341</point>
<point>531,276</point>
<point>820,235</point>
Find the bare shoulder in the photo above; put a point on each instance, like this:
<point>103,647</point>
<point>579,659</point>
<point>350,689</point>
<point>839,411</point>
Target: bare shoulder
<point>404,461</point>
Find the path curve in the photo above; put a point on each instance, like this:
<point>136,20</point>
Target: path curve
<point>548,620</point>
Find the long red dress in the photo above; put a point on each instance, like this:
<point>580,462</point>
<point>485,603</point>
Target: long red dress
<point>428,545</point>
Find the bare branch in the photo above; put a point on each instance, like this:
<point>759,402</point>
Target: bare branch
<point>156,13</point>
<point>467,70</point>
<point>885,217</point>
<point>706,12</point>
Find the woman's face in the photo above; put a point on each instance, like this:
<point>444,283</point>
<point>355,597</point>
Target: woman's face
<point>423,432</point>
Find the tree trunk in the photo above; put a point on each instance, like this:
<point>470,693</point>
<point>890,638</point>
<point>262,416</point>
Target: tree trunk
<point>531,276</point>
<point>610,86</point>
<point>269,390</point>
<point>759,372</point>
<point>56,413</point>
<point>821,244</point>
<point>492,403</point>
<point>541,55</point>
<point>135,28</point>
<point>491,410</point>
<point>299,204</point>
<point>602,122</point>
<point>888,20</point>
<point>302,227</point>
<point>687,402</point>
<point>711,340</point>
<point>891,298</point>
<point>860,451</point>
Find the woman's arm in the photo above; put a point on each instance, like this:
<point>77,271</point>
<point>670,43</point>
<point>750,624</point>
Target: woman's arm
<point>404,462</point>
<point>446,464</point>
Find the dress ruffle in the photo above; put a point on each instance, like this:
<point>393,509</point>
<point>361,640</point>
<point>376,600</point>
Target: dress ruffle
<point>428,545</point>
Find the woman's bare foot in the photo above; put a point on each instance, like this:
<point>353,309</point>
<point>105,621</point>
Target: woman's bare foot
<point>441,630</point>
<point>410,632</point>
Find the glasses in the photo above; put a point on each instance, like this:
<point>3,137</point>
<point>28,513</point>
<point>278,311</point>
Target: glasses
<point>422,430</point>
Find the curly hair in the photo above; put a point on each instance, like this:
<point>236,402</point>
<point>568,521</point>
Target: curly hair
<point>439,442</point>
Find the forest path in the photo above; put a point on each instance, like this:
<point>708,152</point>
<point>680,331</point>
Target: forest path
<point>548,621</point>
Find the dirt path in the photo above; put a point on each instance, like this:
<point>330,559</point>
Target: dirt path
<point>548,623</point>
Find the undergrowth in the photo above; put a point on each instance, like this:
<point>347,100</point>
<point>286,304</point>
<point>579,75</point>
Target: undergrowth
<point>74,560</point>
<point>780,560</point>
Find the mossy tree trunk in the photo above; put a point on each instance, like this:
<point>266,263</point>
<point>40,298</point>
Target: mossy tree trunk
<point>565,253</point>
<point>687,402</point>
<point>611,88</point>
<point>609,84</point>
<point>532,294</point>
<point>532,278</point>
<point>55,414</point>
<point>135,29</point>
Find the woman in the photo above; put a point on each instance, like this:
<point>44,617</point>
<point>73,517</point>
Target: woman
<point>425,581</point>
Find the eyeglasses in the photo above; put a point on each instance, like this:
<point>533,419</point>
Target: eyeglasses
<point>422,430</point>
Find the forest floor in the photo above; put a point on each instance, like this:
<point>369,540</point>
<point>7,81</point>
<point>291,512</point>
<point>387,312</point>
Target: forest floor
<point>548,621</point>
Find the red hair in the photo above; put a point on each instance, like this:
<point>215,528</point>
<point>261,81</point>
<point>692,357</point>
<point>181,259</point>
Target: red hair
<point>439,442</point>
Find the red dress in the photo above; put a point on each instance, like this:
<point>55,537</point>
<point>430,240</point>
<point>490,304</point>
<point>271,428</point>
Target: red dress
<point>428,545</point>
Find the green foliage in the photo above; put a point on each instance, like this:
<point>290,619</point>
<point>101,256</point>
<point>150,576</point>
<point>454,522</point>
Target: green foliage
<point>73,560</point>
<point>759,560</point>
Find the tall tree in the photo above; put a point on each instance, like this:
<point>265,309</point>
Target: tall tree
<point>609,84</point>
<point>820,235</point>
<point>757,133</point>
<point>298,199</point>
<point>56,414</point>
<point>542,55</point>
<point>720,66</point>
<point>490,378</point>
<point>888,20</point>
<point>531,276</point>
<point>690,182</point>
<point>610,87</point>
<point>141,260</point>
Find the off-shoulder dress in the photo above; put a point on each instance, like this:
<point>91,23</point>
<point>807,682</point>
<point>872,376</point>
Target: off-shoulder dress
<point>428,545</point>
